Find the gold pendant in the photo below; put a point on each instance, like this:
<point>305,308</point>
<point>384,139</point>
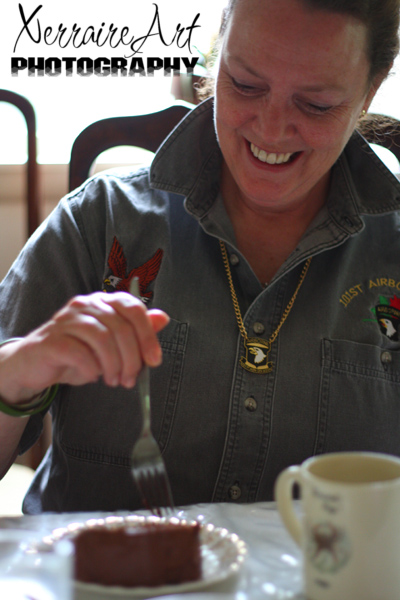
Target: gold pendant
<point>256,359</point>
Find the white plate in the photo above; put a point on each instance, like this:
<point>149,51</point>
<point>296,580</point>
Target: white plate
<point>222,553</point>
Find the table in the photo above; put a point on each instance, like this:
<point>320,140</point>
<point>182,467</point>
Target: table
<point>271,572</point>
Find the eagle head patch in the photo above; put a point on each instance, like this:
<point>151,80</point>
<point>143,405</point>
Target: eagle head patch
<point>119,279</point>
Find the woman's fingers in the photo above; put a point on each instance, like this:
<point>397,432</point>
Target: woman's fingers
<point>132,311</point>
<point>99,335</point>
<point>111,339</point>
<point>120,332</point>
<point>63,358</point>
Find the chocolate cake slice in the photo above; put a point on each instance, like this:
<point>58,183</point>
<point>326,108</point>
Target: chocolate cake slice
<point>148,555</point>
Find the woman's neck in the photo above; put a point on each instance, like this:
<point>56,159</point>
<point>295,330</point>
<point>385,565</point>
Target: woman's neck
<point>267,237</point>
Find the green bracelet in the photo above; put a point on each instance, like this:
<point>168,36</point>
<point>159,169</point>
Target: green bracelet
<point>35,405</point>
<point>10,340</point>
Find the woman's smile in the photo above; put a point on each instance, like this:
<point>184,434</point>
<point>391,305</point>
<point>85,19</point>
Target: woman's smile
<point>287,100</point>
<point>271,158</point>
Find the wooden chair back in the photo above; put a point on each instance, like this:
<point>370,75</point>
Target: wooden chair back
<point>32,176</point>
<point>143,131</point>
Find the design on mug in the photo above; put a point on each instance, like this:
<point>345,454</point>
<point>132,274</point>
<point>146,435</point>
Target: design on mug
<point>327,547</point>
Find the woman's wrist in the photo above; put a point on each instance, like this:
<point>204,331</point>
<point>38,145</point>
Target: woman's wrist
<point>37,404</point>
<point>31,406</point>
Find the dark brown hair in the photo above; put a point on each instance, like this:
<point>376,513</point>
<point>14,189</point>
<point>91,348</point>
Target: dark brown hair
<point>381,17</point>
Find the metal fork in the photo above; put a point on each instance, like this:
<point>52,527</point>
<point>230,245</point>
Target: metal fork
<point>147,463</point>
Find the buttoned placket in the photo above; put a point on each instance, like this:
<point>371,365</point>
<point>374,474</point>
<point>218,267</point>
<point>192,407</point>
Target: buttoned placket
<point>245,456</point>
<point>251,406</point>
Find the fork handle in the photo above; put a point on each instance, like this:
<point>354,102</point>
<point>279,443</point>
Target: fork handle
<point>144,375</point>
<point>144,394</point>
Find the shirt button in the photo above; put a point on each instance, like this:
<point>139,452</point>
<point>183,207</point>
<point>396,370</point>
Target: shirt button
<point>234,259</point>
<point>386,357</point>
<point>250,404</point>
<point>235,492</point>
<point>258,328</point>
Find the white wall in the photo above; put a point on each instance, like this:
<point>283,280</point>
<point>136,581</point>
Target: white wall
<point>53,185</point>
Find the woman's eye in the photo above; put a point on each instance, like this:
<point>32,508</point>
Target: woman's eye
<point>316,109</point>
<point>249,90</point>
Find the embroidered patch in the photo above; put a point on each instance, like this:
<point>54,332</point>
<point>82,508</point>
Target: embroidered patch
<point>387,314</point>
<point>120,279</point>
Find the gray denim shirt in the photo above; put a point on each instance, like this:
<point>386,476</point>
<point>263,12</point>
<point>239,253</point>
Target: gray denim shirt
<point>225,432</point>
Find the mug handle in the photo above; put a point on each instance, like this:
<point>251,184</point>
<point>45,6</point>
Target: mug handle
<point>284,499</point>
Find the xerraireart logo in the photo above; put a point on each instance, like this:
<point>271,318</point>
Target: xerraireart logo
<point>128,40</point>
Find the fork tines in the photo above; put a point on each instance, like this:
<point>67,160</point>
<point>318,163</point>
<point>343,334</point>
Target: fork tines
<point>155,490</point>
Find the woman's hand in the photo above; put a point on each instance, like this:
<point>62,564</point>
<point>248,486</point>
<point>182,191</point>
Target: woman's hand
<point>98,335</point>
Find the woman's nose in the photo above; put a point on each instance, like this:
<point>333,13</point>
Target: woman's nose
<point>275,121</point>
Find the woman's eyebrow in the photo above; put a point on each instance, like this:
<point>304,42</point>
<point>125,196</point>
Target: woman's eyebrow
<point>328,87</point>
<point>325,87</point>
<point>239,59</point>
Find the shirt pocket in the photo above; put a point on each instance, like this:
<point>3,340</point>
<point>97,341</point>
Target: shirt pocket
<point>166,382</point>
<point>359,400</point>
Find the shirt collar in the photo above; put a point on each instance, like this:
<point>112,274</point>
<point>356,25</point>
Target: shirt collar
<point>375,188</point>
<point>189,161</point>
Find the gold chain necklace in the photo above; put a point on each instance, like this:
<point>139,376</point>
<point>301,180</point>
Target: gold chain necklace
<point>257,349</point>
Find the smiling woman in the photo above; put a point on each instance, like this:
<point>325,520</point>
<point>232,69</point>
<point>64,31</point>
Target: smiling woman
<point>266,209</point>
<point>286,107</point>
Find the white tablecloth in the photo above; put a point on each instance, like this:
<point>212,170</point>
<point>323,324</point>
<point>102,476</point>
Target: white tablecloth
<point>271,571</point>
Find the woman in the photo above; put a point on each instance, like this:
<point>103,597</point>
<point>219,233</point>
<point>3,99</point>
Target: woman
<point>266,245</point>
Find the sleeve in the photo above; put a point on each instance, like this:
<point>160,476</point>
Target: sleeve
<point>56,264</point>
<point>67,256</point>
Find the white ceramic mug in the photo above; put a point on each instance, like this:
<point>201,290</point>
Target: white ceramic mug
<point>349,529</point>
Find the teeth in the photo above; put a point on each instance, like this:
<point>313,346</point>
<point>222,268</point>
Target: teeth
<point>270,157</point>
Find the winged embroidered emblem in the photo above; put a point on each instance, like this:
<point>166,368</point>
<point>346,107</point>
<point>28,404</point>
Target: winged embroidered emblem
<point>120,279</point>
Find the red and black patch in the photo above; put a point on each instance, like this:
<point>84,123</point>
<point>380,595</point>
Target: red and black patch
<point>120,279</point>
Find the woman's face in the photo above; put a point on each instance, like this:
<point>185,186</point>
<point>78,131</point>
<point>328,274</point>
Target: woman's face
<point>291,84</point>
